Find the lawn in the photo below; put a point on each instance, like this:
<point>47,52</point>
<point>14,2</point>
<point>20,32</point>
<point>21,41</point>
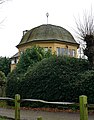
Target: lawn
<point>5,118</point>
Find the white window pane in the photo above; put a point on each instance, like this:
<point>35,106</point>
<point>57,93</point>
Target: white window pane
<point>12,61</point>
<point>46,49</point>
<point>58,51</point>
<point>62,51</point>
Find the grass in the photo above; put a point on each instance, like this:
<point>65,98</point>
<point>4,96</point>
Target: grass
<point>5,118</point>
<point>3,103</point>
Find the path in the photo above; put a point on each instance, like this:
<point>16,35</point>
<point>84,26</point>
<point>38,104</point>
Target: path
<point>32,115</point>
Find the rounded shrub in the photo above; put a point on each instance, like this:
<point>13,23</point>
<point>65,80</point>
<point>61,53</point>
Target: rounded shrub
<point>54,79</point>
<point>28,58</point>
<point>86,85</point>
<point>13,81</point>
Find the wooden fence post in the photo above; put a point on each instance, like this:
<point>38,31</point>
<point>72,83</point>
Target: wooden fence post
<point>39,118</point>
<point>17,107</point>
<point>83,107</point>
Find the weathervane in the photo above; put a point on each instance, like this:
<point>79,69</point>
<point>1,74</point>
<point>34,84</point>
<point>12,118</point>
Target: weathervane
<point>47,14</point>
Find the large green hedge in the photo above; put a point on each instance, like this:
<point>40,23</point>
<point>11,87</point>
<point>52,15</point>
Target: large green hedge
<point>86,85</point>
<point>27,59</point>
<point>53,79</point>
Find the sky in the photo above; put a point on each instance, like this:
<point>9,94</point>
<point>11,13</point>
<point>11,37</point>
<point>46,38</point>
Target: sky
<point>19,15</point>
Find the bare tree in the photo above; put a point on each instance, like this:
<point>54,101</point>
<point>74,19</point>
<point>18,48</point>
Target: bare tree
<point>86,33</point>
<point>2,1</point>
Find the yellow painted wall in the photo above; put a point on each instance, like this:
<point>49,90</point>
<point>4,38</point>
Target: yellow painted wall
<point>52,45</point>
<point>13,66</point>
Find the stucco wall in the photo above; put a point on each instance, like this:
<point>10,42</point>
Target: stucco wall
<point>52,45</point>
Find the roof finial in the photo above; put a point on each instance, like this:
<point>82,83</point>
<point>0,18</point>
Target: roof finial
<point>47,14</point>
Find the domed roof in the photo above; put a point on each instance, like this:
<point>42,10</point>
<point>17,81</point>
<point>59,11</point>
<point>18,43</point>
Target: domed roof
<point>47,32</point>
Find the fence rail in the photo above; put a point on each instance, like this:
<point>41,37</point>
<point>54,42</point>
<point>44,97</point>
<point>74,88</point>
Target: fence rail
<point>43,101</point>
<point>82,104</point>
<point>6,98</point>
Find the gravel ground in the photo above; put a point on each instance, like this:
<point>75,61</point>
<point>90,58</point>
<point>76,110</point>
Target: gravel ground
<point>33,115</point>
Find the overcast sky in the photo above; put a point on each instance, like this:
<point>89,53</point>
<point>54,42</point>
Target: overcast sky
<point>20,15</point>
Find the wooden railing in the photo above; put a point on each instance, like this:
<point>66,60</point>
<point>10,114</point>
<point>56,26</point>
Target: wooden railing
<point>82,104</point>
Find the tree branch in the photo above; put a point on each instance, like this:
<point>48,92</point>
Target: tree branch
<point>85,27</point>
<point>2,1</point>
